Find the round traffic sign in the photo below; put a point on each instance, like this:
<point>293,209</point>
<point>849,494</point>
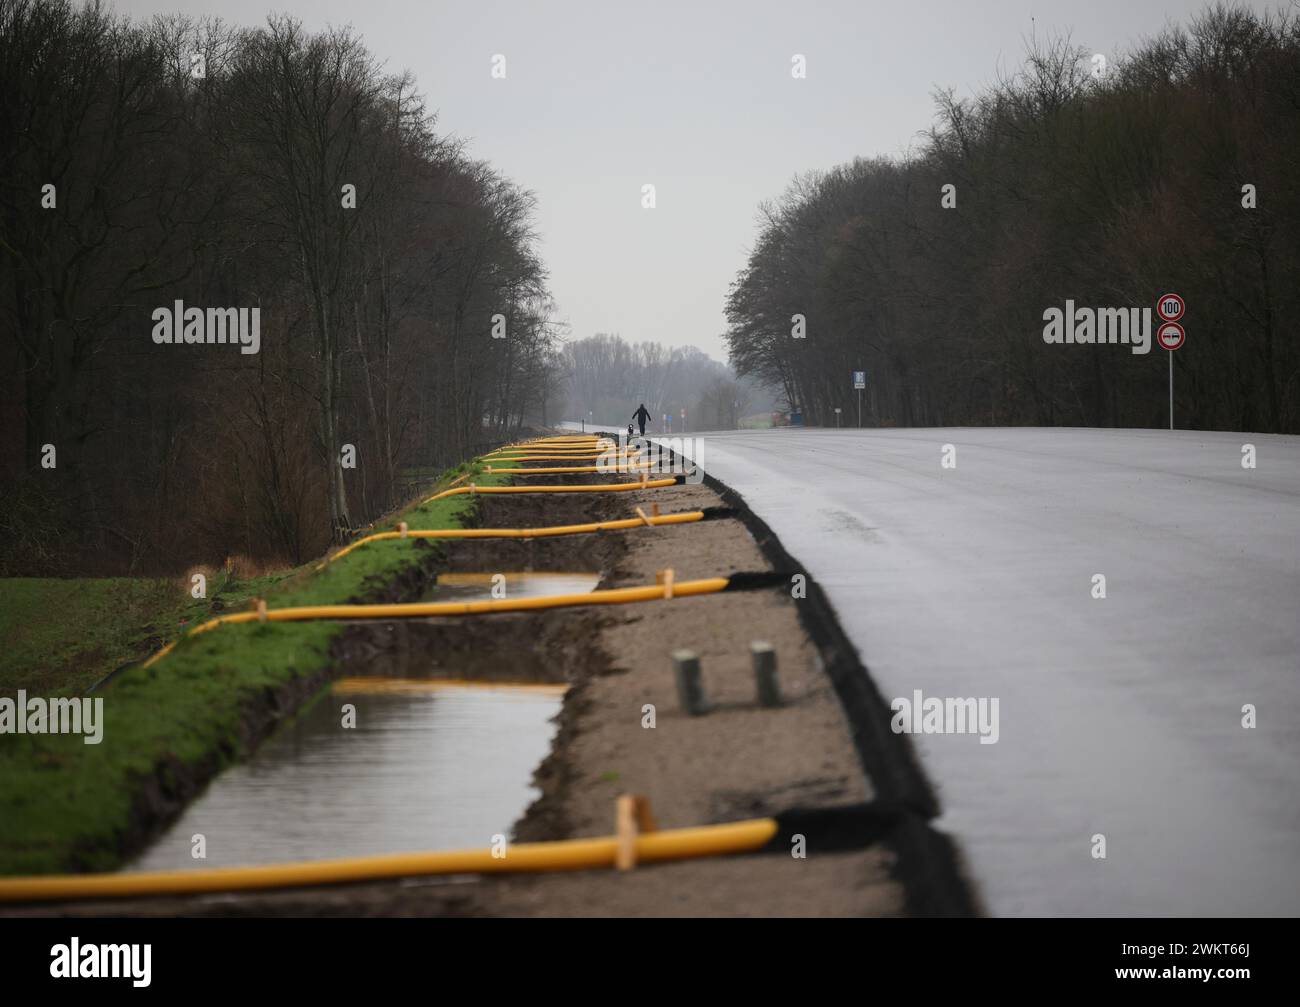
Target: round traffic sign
<point>1170,307</point>
<point>1170,336</point>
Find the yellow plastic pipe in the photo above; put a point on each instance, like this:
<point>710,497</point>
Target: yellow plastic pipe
<point>565,855</point>
<point>623,466</point>
<point>557,446</point>
<point>552,456</point>
<point>552,449</point>
<point>576,442</point>
<point>563,529</point>
<point>429,609</point>
<point>566,438</point>
<point>576,449</point>
<point>575,439</point>
<point>565,488</point>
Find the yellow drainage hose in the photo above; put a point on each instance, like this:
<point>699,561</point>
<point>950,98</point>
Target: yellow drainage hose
<point>563,529</point>
<point>564,448</point>
<point>565,855</point>
<point>589,456</point>
<point>621,466</point>
<point>577,449</point>
<point>576,443</point>
<point>544,449</point>
<point>591,445</point>
<point>428,609</point>
<point>565,488</point>
<point>559,441</point>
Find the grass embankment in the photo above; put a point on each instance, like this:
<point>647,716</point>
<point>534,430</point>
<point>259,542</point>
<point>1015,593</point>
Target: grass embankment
<point>66,805</point>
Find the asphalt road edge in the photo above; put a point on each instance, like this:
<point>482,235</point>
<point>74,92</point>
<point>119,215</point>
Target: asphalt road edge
<point>928,864</point>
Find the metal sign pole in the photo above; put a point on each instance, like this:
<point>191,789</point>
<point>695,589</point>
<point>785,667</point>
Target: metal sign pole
<point>1171,335</point>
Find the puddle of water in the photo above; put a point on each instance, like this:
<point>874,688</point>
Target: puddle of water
<point>478,586</point>
<point>430,765</point>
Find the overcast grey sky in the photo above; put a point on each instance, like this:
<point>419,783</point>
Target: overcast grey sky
<point>697,99</point>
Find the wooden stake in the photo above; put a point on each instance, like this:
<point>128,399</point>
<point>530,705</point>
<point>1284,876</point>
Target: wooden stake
<point>625,830</point>
<point>632,816</point>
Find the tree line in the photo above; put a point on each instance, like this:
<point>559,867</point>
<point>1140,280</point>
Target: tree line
<point>1104,182</point>
<point>404,312</point>
<point>605,378</point>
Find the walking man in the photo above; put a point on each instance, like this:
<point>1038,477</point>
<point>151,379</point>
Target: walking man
<point>641,416</point>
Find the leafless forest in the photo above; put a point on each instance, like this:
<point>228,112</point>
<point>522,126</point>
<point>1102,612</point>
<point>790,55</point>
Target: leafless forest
<point>1109,185</point>
<point>223,182</point>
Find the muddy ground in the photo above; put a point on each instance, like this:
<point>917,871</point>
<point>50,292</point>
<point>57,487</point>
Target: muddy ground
<point>738,761</point>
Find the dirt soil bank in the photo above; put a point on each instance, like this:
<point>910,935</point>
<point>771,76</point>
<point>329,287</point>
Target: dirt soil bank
<point>739,761</point>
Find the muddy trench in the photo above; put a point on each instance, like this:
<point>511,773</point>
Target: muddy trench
<point>554,646</point>
<point>739,761</point>
<point>559,646</point>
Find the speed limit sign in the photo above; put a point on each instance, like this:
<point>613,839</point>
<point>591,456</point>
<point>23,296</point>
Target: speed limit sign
<point>1170,308</point>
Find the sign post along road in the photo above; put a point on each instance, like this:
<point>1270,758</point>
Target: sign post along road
<point>859,382</point>
<point>1171,336</point>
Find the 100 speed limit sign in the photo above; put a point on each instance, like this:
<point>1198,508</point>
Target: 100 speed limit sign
<point>1170,334</point>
